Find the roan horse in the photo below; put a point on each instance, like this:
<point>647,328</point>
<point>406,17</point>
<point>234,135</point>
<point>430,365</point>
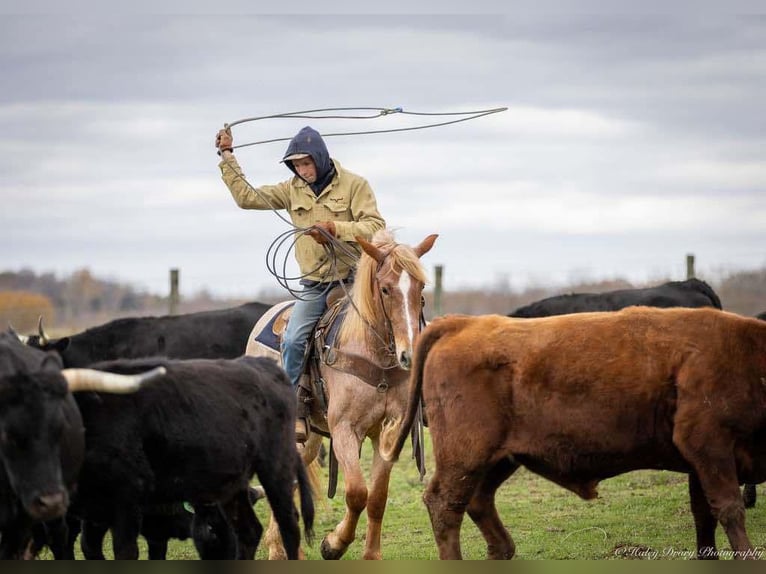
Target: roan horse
<point>366,385</point>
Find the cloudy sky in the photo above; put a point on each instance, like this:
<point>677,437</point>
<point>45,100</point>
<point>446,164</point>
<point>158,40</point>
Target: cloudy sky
<point>630,139</point>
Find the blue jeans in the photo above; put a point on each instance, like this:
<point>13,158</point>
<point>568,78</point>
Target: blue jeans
<point>305,315</point>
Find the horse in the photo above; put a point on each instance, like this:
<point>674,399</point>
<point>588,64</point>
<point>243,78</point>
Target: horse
<point>363,370</point>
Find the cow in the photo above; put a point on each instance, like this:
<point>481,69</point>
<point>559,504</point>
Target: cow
<point>583,397</point>
<point>218,334</point>
<point>41,438</point>
<point>198,435</point>
<point>689,293</point>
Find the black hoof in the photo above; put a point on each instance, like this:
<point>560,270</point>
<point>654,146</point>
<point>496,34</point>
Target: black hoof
<point>329,553</point>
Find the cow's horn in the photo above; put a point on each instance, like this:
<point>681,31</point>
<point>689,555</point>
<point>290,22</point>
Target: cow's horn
<point>15,333</point>
<point>44,339</point>
<point>93,380</point>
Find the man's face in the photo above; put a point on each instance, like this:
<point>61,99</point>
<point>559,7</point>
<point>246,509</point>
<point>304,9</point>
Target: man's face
<point>306,168</point>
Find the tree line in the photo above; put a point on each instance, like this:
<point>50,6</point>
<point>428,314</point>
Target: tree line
<point>81,300</point>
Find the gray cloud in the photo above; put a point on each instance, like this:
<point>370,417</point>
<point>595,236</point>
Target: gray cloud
<point>629,140</point>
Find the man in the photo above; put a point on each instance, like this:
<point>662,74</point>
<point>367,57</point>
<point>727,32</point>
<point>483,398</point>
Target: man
<point>328,203</point>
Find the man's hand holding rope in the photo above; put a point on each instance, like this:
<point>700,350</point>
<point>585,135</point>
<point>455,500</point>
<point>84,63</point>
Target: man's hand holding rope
<point>322,232</point>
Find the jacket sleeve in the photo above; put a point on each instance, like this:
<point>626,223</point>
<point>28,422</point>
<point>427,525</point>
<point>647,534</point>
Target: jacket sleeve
<point>366,218</point>
<point>249,197</point>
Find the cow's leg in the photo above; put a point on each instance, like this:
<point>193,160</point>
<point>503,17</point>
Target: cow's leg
<point>125,532</point>
<point>74,527</point>
<point>712,459</point>
<point>212,534</point>
<point>749,495</point>
<point>376,504</point>
<point>346,446</point>
<point>92,539</point>
<point>58,539</point>
<point>14,540</point>
<point>483,511</point>
<point>157,548</point>
<point>247,528</point>
<point>704,521</point>
<point>446,499</point>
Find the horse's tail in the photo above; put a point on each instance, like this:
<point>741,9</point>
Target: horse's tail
<point>391,442</point>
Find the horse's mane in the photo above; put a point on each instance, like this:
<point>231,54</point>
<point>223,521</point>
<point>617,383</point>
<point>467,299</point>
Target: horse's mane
<point>366,309</point>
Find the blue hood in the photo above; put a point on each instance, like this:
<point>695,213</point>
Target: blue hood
<point>309,141</point>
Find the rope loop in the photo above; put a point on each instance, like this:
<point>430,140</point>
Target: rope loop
<point>380,112</point>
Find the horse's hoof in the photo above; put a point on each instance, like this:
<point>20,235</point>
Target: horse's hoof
<point>330,553</point>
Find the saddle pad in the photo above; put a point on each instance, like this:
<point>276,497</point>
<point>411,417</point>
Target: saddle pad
<point>272,331</point>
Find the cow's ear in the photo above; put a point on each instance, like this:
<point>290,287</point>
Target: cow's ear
<point>60,345</point>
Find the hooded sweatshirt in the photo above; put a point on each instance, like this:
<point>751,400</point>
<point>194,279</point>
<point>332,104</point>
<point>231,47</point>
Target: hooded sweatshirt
<point>309,141</point>
<point>339,196</point>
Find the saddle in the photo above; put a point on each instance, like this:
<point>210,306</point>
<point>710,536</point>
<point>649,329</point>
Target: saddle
<point>322,337</point>
<point>322,349</point>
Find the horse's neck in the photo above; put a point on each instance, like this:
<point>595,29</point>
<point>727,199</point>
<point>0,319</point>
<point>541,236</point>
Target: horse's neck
<point>372,342</point>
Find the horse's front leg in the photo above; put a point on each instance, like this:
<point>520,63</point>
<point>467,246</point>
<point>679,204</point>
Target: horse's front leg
<point>376,504</point>
<point>346,446</point>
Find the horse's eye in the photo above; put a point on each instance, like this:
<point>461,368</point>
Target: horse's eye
<point>385,291</point>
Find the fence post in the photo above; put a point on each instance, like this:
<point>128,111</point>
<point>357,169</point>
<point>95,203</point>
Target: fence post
<point>690,266</point>
<point>438,290</point>
<point>175,297</point>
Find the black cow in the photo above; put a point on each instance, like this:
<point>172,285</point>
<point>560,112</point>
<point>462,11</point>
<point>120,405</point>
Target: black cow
<point>41,441</point>
<point>199,435</point>
<point>219,334</point>
<point>689,293</point>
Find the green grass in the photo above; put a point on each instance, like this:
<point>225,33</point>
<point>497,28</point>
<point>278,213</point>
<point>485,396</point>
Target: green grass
<point>643,514</point>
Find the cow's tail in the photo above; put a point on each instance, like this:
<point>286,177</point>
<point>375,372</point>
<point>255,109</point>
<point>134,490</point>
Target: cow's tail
<point>306,494</point>
<point>395,432</point>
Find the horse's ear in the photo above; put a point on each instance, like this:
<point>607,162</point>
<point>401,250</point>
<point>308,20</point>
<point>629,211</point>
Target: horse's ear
<point>370,249</point>
<point>425,245</point>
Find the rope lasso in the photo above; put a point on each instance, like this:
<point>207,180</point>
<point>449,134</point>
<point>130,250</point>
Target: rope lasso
<point>381,112</point>
<point>332,246</point>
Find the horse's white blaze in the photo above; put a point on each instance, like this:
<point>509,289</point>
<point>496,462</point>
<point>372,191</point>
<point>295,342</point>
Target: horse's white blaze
<point>404,287</point>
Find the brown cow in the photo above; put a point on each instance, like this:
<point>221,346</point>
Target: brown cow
<point>584,397</point>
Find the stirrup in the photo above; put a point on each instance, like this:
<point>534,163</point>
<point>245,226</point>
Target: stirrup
<point>301,430</point>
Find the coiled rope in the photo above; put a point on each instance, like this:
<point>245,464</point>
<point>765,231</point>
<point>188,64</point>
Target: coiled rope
<point>335,249</point>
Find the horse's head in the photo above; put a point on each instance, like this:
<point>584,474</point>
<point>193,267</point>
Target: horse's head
<point>392,280</point>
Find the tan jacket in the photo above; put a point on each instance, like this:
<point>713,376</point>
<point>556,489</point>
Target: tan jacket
<point>348,201</point>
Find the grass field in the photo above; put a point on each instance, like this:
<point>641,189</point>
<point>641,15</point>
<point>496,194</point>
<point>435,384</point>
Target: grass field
<point>639,515</point>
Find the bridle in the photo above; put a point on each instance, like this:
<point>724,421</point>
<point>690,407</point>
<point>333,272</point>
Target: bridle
<point>389,341</point>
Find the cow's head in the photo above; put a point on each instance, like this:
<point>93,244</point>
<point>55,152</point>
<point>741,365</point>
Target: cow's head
<point>41,429</point>
<point>34,421</point>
